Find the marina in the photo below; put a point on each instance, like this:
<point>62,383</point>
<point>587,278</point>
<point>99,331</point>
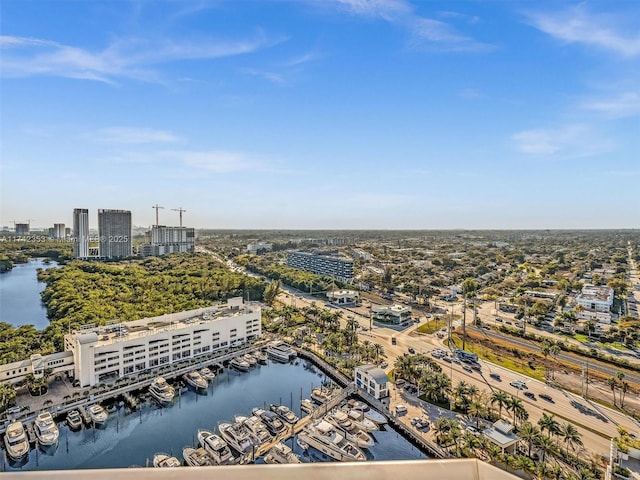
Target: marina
<point>130,437</point>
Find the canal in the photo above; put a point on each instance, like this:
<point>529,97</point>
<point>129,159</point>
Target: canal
<point>20,302</point>
<point>133,438</point>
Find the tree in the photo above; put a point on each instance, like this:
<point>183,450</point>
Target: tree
<point>271,292</point>
<point>612,382</point>
<point>477,409</point>
<point>545,445</point>
<point>549,423</point>
<point>570,435</point>
<point>501,398</point>
<point>7,395</point>
<point>529,433</point>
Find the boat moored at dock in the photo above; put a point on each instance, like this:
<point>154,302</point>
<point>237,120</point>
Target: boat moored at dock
<point>280,351</point>
<point>15,441</point>
<point>46,429</point>
<point>357,416</point>
<point>161,391</point>
<point>162,460</point>
<point>97,414</point>
<point>240,364</point>
<point>323,394</point>
<point>284,413</point>
<point>261,357</point>
<point>270,420</point>
<point>281,453</point>
<point>74,420</point>
<point>237,436</point>
<point>352,432</point>
<point>307,406</point>
<point>207,374</point>
<point>325,438</point>
<point>196,381</point>
<point>250,359</point>
<point>197,457</point>
<point>373,415</point>
<point>216,447</point>
<point>257,429</point>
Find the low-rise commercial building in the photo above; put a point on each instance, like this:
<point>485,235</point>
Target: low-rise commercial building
<point>373,380</point>
<point>343,297</point>
<point>596,298</point>
<point>121,349</point>
<point>395,313</point>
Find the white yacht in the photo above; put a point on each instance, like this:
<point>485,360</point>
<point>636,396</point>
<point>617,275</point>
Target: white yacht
<point>284,413</point>
<point>46,429</point>
<point>15,441</point>
<point>162,391</point>
<point>197,457</point>
<point>323,394</point>
<point>357,417</point>
<point>216,447</point>
<point>259,433</point>
<point>74,420</point>
<point>280,351</point>
<point>240,364</point>
<point>162,460</point>
<point>352,431</point>
<point>236,436</point>
<point>208,375</point>
<point>307,406</point>
<point>97,414</point>
<point>261,357</point>
<point>373,415</point>
<point>281,453</point>
<point>195,381</point>
<point>324,437</point>
<point>250,359</point>
<point>270,420</point>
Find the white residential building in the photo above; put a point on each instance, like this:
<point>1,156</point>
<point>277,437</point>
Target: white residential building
<point>127,348</point>
<point>254,248</point>
<point>596,298</point>
<point>373,380</point>
<point>391,313</point>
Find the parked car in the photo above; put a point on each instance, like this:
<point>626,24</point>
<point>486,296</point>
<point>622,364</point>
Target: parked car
<point>401,409</point>
<point>384,365</point>
<point>472,429</point>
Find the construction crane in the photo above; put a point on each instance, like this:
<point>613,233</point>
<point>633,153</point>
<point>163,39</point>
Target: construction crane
<point>157,207</point>
<point>181,210</point>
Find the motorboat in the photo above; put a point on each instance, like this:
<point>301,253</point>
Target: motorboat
<point>280,351</point>
<point>237,436</point>
<point>270,420</point>
<point>74,420</point>
<point>162,460</point>
<point>197,457</point>
<point>46,429</point>
<point>357,417</point>
<point>240,364</point>
<point>261,357</point>
<point>284,413</point>
<point>281,453</point>
<point>161,391</point>
<point>259,433</point>
<point>97,414</point>
<point>195,381</point>
<point>324,437</point>
<point>323,394</point>
<point>208,375</point>
<point>250,359</point>
<point>373,415</point>
<point>15,441</point>
<point>351,431</point>
<point>216,447</point>
<point>307,406</point>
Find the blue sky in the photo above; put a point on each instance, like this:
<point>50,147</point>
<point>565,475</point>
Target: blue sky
<point>323,113</point>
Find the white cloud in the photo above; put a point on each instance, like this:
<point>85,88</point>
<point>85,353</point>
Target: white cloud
<point>215,161</point>
<point>625,104</point>
<point>127,58</point>
<point>618,34</point>
<point>133,135</point>
<point>270,76</point>
<point>570,141</point>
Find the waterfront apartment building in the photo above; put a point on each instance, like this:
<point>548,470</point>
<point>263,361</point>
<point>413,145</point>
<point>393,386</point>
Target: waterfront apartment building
<point>114,233</point>
<point>340,268</point>
<point>124,349</point>
<point>373,380</point>
<point>81,233</point>
<point>162,240</point>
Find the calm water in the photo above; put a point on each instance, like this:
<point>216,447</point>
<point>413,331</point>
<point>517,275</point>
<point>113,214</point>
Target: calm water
<point>20,302</point>
<point>133,438</point>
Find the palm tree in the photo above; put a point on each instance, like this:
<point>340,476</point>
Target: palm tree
<point>545,445</point>
<point>570,436</point>
<point>470,441</point>
<point>556,471</point>
<point>529,433</point>
<point>525,464</point>
<point>441,429</point>
<point>549,423</point>
<point>613,383</point>
<point>543,470</point>
<point>501,398</point>
<point>517,408</point>
<point>477,409</point>
<point>469,287</point>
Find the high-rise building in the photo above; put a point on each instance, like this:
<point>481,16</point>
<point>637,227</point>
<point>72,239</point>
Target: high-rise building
<point>81,233</point>
<point>340,268</point>
<point>22,229</point>
<point>114,232</point>
<point>58,231</point>
<point>163,240</point>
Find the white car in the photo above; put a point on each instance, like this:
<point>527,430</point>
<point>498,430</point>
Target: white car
<point>401,409</point>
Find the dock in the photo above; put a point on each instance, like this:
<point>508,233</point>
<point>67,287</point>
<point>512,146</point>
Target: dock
<point>85,416</point>
<point>31,433</point>
<point>130,400</point>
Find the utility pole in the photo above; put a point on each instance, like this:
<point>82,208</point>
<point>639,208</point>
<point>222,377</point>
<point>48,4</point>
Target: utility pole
<point>157,207</point>
<point>181,210</point>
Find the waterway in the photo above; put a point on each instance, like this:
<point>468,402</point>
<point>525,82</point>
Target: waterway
<point>133,438</point>
<point>20,302</point>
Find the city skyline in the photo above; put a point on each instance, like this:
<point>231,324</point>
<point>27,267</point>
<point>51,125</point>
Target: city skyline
<point>345,114</point>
